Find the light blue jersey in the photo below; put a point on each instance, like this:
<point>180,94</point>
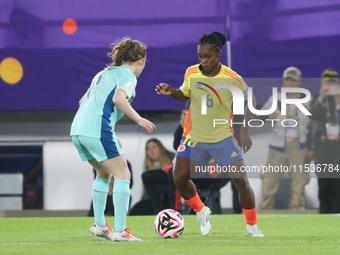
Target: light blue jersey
<point>97,115</point>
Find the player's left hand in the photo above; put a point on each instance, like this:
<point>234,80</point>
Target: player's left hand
<point>245,140</point>
<point>148,125</point>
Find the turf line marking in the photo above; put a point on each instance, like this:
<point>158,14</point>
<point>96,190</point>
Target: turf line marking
<point>228,241</point>
<point>297,215</point>
<point>19,243</point>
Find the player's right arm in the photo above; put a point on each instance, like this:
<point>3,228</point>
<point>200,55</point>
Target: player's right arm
<point>181,94</point>
<point>120,100</point>
<point>165,89</point>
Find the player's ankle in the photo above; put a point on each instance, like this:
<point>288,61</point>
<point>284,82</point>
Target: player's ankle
<point>201,211</point>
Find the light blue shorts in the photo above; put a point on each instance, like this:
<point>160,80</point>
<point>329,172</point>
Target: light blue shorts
<point>94,148</point>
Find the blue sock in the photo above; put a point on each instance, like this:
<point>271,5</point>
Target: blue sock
<point>99,194</point>
<point>121,200</point>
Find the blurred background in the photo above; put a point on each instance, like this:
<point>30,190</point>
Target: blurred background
<point>50,50</point>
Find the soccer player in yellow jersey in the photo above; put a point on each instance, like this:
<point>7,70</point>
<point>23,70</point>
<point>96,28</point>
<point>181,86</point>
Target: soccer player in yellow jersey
<point>210,101</point>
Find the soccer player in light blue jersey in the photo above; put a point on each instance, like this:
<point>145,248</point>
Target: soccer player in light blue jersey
<point>103,105</point>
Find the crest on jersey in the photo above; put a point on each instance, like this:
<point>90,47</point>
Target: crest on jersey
<point>220,85</point>
<point>181,148</point>
<point>129,86</point>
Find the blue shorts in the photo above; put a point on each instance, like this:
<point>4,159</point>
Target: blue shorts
<point>94,148</point>
<point>224,152</point>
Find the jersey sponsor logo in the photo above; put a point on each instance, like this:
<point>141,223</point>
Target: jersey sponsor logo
<point>234,154</point>
<point>181,148</point>
<point>129,86</point>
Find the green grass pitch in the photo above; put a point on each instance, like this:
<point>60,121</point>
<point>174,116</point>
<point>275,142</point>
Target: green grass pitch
<point>284,234</point>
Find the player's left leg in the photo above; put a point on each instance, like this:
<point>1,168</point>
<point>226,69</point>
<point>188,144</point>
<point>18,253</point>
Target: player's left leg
<point>246,197</point>
<point>100,190</point>
<point>100,186</point>
<point>227,154</point>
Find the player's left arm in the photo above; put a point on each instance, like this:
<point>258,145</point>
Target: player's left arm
<point>245,139</point>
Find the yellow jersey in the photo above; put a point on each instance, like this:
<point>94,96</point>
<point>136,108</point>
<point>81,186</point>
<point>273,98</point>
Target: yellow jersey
<point>210,102</point>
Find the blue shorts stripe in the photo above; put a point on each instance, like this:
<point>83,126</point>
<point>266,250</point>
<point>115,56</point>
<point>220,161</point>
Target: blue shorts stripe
<point>106,128</point>
<point>110,148</point>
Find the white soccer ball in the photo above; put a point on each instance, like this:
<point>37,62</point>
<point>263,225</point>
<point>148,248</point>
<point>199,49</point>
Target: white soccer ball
<point>169,224</point>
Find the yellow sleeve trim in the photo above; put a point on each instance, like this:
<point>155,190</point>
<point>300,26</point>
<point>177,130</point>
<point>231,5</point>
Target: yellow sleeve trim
<point>127,94</point>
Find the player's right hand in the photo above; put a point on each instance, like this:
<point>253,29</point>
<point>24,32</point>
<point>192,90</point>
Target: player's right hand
<point>163,89</point>
<point>148,125</point>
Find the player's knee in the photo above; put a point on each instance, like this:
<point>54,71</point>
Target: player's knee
<point>126,175</point>
<point>180,179</point>
<point>104,176</point>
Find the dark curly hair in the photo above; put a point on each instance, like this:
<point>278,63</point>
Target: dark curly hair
<point>215,39</point>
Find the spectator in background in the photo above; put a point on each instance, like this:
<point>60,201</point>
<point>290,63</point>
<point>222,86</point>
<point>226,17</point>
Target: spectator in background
<point>325,110</point>
<point>288,146</point>
<point>155,180</point>
<point>156,156</point>
<point>32,198</point>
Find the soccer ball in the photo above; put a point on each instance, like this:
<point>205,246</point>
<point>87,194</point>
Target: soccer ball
<point>169,224</point>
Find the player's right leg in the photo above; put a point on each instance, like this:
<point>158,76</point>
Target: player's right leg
<point>187,188</point>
